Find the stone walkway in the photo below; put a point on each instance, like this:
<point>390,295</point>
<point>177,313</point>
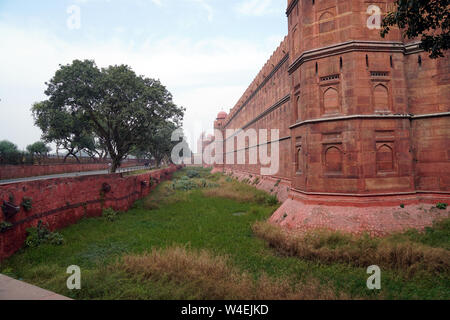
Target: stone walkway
<point>70,175</point>
<point>11,289</point>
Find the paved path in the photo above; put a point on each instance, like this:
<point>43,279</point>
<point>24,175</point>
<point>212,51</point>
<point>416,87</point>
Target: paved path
<point>68,175</point>
<point>12,289</point>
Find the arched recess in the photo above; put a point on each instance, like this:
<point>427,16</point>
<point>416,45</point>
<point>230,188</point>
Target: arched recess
<point>381,98</point>
<point>385,158</point>
<point>295,42</point>
<point>330,101</point>
<point>326,22</point>
<point>333,160</point>
<point>298,107</point>
<point>300,160</point>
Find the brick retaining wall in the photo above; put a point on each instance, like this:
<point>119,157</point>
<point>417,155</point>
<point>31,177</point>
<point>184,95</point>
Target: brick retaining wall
<point>64,201</point>
<point>24,171</point>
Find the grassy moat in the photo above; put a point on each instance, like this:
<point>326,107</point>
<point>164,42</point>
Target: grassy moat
<point>204,236</point>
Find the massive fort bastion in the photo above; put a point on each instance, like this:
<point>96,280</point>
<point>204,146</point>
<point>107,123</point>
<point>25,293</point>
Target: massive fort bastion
<point>363,120</point>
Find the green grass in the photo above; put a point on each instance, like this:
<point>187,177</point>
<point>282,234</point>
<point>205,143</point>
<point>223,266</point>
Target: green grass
<point>200,219</point>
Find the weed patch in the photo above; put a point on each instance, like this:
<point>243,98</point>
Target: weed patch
<point>200,275</point>
<point>334,247</point>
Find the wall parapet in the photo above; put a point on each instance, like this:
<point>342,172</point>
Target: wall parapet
<point>278,58</point>
<point>25,171</point>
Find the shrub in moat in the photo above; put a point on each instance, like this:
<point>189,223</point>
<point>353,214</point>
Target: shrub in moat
<point>5,226</point>
<point>110,214</point>
<point>442,206</point>
<point>41,235</point>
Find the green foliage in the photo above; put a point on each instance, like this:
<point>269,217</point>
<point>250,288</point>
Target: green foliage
<point>123,110</point>
<point>70,131</point>
<point>4,226</point>
<point>27,203</point>
<point>442,206</point>
<point>8,272</point>
<point>184,184</point>
<point>192,173</point>
<point>9,153</point>
<point>402,206</point>
<point>41,235</point>
<point>39,149</point>
<point>436,236</point>
<point>277,183</point>
<point>272,200</point>
<point>110,214</point>
<point>429,20</point>
<point>205,223</point>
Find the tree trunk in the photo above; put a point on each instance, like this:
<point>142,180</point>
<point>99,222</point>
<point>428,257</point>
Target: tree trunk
<point>115,165</point>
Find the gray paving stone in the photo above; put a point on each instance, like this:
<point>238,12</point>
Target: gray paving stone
<point>12,289</point>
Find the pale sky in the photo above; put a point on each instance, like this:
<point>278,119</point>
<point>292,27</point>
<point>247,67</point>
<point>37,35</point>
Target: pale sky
<point>206,52</point>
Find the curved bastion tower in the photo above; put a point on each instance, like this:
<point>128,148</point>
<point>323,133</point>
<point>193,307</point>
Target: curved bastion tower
<point>363,120</point>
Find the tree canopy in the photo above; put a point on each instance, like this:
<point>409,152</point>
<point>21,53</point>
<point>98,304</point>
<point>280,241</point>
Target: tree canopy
<point>113,106</point>
<point>68,131</point>
<point>427,19</point>
<point>9,153</point>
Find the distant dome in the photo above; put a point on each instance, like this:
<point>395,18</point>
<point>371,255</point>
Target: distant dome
<point>222,115</point>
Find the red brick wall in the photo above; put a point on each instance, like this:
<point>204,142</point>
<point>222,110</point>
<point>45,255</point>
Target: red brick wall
<point>23,171</point>
<point>63,202</point>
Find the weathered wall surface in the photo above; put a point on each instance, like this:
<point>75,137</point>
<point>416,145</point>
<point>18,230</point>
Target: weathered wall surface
<point>264,105</point>
<point>359,115</point>
<point>63,202</point>
<point>24,171</point>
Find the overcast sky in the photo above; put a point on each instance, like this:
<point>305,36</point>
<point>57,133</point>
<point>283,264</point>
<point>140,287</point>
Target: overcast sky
<point>205,51</point>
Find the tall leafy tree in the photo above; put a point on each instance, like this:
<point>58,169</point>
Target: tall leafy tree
<point>120,106</point>
<point>39,149</point>
<point>9,153</point>
<point>69,131</point>
<point>158,144</point>
<point>427,19</point>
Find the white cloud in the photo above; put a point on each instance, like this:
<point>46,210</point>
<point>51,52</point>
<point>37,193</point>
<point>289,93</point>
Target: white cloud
<point>257,7</point>
<point>157,2</point>
<point>206,6</point>
<point>204,76</point>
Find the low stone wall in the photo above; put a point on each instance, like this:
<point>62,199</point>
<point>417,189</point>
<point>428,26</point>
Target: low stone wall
<point>64,201</point>
<point>378,215</point>
<point>24,171</point>
<point>274,185</point>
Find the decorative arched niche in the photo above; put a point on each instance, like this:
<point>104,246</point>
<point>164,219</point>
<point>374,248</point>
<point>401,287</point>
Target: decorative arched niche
<point>385,158</point>
<point>333,159</point>
<point>331,103</point>
<point>295,42</point>
<point>298,108</point>
<point>326,22</point>
<point>381,101</point>
<point>300,161</point>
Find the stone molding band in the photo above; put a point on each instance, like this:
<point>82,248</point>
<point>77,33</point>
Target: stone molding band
<point>352,46</point>
<point>372,116</point>
<point>259,145</point>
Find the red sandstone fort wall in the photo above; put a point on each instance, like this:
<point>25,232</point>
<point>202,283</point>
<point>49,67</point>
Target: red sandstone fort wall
<point>360,115</point>
<point>265,105</point>
<point>62,202</point>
